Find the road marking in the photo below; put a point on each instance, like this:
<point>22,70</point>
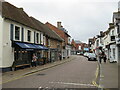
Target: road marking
<point>76,84</point>
<point>96,76</point>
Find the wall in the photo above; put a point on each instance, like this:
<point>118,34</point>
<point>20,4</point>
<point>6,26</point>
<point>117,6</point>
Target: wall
<point>55,43</point>
<point>8,51</point>
<point>112,58</point>
<point>1,21</point>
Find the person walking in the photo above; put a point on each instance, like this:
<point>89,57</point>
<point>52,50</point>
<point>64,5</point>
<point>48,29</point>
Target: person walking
<point>104,58</point>
<point>60,56</point>
<point>34,60</point>
<point>100,57</point>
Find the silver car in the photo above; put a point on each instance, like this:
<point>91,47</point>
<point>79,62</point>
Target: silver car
<point>92,57</point>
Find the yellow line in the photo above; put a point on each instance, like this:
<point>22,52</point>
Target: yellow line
<point>96,76</point>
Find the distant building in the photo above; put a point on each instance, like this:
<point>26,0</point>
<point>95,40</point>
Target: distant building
<point>66,45</point>
<point>119,6</point>
<point>81,47</point>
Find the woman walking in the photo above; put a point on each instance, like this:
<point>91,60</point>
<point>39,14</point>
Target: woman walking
<point>34,60</point>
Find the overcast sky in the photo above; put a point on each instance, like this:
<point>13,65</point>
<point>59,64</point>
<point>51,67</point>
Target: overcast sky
<point>82,18</point>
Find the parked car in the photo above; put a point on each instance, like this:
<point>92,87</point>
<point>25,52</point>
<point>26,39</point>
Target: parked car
<point>92,57</point>
<point>81,53</point>
<point>78,53</point>
<point>86,54</point>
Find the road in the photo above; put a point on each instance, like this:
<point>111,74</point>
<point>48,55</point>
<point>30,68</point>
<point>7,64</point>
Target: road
<point>78,73</point>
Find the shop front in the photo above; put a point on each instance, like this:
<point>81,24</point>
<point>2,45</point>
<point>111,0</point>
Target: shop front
<point>53,55</point>
<point>23,53</point>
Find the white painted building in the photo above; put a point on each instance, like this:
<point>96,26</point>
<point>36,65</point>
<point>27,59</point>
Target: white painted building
<point>21,36</point>
<point>112,43</point>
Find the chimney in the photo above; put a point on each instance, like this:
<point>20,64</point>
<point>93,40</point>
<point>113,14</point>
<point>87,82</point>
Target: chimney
<point>59,25</point>
<point>101,33</point>
<point>21,9</point>
<point>111,25</point>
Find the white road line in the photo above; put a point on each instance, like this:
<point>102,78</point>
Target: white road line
<point>77,84</point>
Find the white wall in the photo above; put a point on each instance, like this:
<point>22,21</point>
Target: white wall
<point>1,20</point>
<point>5,44</point>
<point>112,58</point>
<point>8,52</point>
<point>25,34</point>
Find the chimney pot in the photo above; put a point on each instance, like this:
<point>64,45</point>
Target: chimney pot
<point>59,25</point>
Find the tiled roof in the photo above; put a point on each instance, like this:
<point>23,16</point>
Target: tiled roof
<point>45,29</point>
<point>78,42</point>
<point>59,32</point>
<point>18,15</point>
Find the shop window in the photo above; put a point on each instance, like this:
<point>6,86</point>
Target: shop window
<point>17,33</point>
<point>29,35</point>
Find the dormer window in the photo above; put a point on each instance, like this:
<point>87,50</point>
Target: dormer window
<point>17,33</point>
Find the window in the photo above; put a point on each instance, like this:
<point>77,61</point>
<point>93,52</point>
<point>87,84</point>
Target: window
<point>114,53</point>
<point>112,38</point>
<point>44,40</point>
<point>29,35</point>
<point>37,37</point>
<point>17,33</point>
<point>41,38</point>
<point>48,42</point>
<point>113,33</point>
<point>97,44</point>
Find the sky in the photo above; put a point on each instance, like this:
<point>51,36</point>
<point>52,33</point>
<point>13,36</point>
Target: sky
<point>83,19</point>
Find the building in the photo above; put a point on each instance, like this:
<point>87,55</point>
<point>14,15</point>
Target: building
<point>81,47</point>
<point>22,36</point>
<point>109,41</point>
<point>66,45</point>
<point>73,47</point>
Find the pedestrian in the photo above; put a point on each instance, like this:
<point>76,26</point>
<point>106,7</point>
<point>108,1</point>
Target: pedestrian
<point>60,56</point>
<point>34,60</point>
<point>105,58</point>
<point>100,57</point>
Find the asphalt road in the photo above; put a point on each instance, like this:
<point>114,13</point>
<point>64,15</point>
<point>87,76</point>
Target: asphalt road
<point>78,73</point>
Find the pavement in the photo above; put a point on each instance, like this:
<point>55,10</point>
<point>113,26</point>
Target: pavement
<point>14,75</point>
<point>108,75</point>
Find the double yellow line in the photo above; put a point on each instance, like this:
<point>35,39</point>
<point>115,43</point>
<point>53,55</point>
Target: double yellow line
<point>94,82</point>
<point>96,76</point>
